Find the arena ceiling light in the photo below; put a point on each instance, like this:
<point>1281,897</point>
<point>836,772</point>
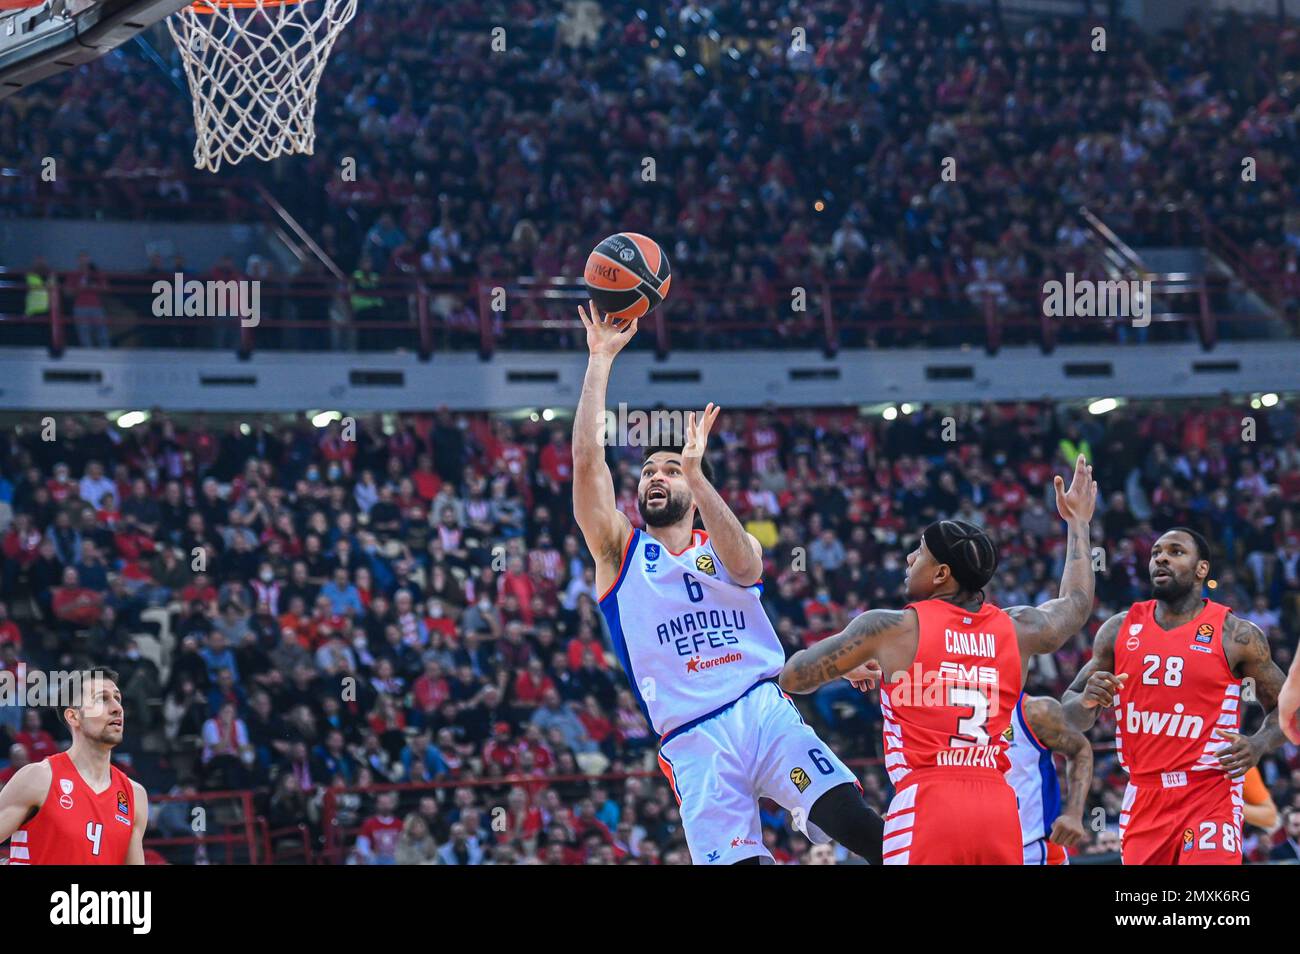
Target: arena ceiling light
<point>890,413</point>
<point>325,418</point>
<point>129,419</point>
<point>907,408</point>
<point>1103,406</point>
<point>548,414</point>
<point>1268,400</point>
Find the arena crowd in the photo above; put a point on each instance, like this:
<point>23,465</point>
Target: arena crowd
<point>792,144</point>
<point>293,612</point>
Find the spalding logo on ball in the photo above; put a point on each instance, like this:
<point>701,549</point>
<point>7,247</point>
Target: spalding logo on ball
<point>627,275</point>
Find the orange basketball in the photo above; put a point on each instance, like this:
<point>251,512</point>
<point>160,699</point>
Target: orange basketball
<point>627,276</point>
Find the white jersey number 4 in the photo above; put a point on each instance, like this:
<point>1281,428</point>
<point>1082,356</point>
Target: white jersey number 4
<point>94,832</point>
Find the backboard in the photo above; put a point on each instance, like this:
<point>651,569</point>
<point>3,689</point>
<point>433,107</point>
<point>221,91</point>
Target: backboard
<point>49,37</point>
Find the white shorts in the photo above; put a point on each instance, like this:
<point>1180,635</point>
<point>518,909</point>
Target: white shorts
<point>1044,852</point>
<point>758,747</point>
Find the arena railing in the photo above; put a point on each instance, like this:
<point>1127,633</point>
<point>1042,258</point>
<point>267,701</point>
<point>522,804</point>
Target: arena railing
<point>224,830</point>
<point>319,312</point>
<point>338,837</point>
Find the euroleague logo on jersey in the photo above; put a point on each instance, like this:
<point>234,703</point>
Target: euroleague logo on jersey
<point>704,563</point>
<point>1205,633</point>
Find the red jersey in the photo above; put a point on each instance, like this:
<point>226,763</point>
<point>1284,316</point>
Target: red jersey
<point>74,825</point>
<point>1180,688</point>
<point>383,833</point>
<point>952,708</point>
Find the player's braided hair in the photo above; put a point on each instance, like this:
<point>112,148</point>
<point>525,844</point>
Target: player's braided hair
<point>967,550</point>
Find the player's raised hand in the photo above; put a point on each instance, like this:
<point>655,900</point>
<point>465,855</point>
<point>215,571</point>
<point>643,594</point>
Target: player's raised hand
<point>697,435</point>
<point>1238,756</point>
<point>1101,689</point>
<point>605,336</point>
<point>864,678</point>
<point>1080,500</point>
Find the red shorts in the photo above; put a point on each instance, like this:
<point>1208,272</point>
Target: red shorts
<point>942,817</point>
<point>1197,822</point>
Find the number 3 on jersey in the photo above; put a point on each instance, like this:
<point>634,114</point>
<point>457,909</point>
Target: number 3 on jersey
<point>972,729</point>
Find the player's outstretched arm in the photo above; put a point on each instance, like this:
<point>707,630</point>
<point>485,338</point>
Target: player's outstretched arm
<point>1288,703</point>
<point>22,793</point>
<point>741,554</point>
<point>1045,628</point>
<point>867,637</point>
<point>1095,686</point>
<point>1249,651</point>
<point>1047,720</point>
<point>603,527</point>
<point>135,850</point>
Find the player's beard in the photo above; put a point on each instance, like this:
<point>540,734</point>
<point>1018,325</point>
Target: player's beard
<point>1172,590</point>
<point>107,735</point>
<point>671,512</point>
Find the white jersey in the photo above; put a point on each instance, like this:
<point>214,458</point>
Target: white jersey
<point>1033,775</point>
<point>690,640</point>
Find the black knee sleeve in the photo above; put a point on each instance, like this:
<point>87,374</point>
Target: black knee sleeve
<point>844,815</point>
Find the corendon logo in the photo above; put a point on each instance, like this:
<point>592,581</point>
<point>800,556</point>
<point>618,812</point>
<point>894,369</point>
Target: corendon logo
<point>696,664</point>
<point>1174,724</point>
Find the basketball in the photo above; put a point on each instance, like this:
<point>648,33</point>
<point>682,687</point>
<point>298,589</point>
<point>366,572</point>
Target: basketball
<point>627,275</point>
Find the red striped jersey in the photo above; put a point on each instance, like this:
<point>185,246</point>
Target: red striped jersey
<point>76,826</point>
<point>952,708</point>
<point>1180,688</point>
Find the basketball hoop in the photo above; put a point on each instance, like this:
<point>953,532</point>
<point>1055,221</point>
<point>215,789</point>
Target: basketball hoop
<point>253,67</point>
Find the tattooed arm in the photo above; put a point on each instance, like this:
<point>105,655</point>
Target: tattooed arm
<point>1249,656</point>
<point>1047,721</point>
<point>1045,628</point>
<point>874,634</point>
<point>1095,686</point>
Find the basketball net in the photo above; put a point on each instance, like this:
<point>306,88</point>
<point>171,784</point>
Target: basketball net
<point>253,67</point>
